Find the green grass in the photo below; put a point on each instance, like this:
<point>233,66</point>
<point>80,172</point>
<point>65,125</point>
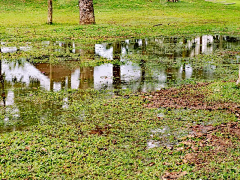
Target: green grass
<point>224,92</point>
<point>230,2</point>
<point>27,20</point>
<point>68,147</point>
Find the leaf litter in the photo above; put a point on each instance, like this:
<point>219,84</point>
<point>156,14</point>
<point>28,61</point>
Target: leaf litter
<point>187,97</point>
<point>205,143</point>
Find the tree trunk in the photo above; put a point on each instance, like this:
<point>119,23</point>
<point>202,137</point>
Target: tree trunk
<point>49,11</point>
<point>86,12</point>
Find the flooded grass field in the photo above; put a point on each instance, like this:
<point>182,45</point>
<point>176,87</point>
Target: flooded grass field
<point>133,65</point>
<point>151,91</point>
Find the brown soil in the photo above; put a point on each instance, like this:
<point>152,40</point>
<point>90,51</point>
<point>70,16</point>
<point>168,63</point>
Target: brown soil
<point>188,96</point>
<point>204,146</point>
<point>220,144</point>
<point>101,130</point>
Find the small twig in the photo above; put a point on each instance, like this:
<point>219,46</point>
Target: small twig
<point>157,25</point>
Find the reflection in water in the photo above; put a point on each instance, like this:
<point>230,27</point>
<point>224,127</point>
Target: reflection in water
<point>143,74</point>
<point>3,95</point>
<point>56,77</point>
<point>116,65</point>
<point>123,73</point>
<point>103,76</point>
<point>87,73</point>
<point>142,65</point>
<point>86,77</point>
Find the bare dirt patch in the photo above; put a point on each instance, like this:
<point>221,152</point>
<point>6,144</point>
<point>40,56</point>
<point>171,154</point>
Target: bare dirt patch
<point>188,96</point>
<point>218,145</point>
<point>208,144</point>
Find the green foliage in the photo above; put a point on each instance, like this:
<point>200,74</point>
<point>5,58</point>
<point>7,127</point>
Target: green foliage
<point>224,92</point>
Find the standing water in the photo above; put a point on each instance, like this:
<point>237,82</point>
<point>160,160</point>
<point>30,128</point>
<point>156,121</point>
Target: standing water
<point>136,64</point>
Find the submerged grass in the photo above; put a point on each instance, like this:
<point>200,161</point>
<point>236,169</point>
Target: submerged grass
<point>103,136</point>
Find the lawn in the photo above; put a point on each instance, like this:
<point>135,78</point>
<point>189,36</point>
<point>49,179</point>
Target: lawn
<point>22,20</point>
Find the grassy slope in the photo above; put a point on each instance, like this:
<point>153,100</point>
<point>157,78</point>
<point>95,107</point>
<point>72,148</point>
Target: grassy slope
<point>114,19</point>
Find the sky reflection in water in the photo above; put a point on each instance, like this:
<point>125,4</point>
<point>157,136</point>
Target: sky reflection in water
<point>126,74</point>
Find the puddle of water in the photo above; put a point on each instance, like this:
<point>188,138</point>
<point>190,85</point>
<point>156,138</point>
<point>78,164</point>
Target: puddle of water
<point>166,137</point>
<point>142,76</point>
<point>194,122</point>
<point>152,144</point>
<point>125,73</point>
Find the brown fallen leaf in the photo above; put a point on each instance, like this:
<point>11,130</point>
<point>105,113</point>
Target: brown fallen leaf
<point>190,158</point>
<point>166,163</point>
<point>151,164</point>
<point>173,175</point>
<point>98,131</point>
<point>195,148</point>
<point>27,148</point>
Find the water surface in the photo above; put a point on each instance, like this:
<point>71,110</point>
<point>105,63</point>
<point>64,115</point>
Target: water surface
<point>136,64</point>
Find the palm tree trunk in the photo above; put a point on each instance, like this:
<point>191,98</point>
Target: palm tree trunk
<point>86,12</point>
<point>50,11</point>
